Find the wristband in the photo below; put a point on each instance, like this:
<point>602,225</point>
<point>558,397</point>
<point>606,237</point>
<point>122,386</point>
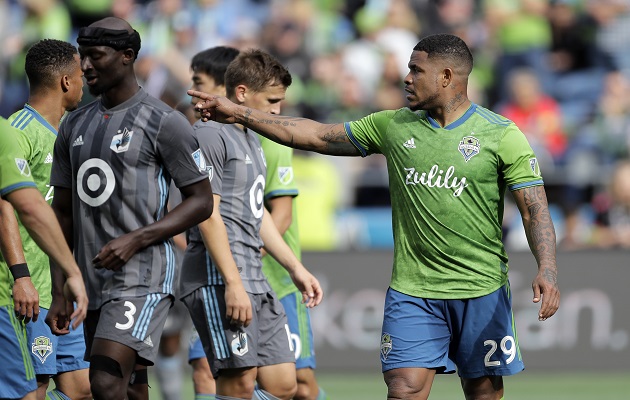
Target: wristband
<point>19,271</point>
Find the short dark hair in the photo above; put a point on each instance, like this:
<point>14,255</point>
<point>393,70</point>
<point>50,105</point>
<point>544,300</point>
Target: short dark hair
<point>214,62</point>
<point>443,45</point>
<point>256,69</point>
<point>47,60</point>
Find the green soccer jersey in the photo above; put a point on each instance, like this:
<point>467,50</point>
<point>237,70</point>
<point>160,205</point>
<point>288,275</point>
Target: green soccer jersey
<point>42,137</point>
<point>15,174</point>
<point>447,187</point>
<point>280,182</point>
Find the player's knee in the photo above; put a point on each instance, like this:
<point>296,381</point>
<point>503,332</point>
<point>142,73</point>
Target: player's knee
<point>307,387</point>
<point>484,388</point>
<point>285,390</point>
<point>106,378</point>
<point>304,392</point>
<point>203,379</point>
<point>400,386</point>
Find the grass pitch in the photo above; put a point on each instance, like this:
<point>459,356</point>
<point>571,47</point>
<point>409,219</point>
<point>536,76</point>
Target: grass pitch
<point>528,385</point>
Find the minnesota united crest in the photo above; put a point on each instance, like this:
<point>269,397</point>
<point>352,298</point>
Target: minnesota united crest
<point>469,147</point>
<point>239,344</point>
<point>200,160</point>
<point>386,345</point>
<point>120,142</point>
<point>42,348</point>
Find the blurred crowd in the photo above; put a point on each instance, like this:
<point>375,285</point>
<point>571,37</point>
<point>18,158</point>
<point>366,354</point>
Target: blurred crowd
<point>560,69</point>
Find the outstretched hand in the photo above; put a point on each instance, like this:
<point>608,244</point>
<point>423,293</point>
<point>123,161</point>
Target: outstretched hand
<point>545,286</point>
<point>214,108</point>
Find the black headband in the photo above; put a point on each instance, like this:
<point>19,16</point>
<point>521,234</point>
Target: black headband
<point>114,38</point>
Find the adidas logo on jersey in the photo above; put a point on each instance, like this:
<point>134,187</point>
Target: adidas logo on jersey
<point>247,159</point>
<point>148,341</point>
<point>48,159</point>
<point>78,141</point>
<point>410,144</point>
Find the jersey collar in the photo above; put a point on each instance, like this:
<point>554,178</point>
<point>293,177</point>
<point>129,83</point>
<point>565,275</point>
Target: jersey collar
<point>40,119</point>
<point>455,124</point>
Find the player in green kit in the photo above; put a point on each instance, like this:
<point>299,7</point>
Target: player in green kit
<point>449,162</point>
<point>56,86</point>
<point>17,380</point>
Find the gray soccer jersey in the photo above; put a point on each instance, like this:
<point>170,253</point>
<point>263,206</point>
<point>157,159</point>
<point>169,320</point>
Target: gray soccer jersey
<point>119,163</point>
<point>236,168</point>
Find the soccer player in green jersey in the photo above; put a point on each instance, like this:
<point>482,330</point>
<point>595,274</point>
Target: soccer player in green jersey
<point>56,86</point>
<point>17,187</point>
<point>449,162</point>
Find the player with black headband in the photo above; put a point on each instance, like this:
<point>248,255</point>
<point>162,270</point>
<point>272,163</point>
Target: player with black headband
<point>114,160</point>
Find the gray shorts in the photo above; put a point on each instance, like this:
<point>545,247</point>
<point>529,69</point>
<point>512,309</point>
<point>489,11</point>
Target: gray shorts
<point>136,322</point>
<point>266,341</point>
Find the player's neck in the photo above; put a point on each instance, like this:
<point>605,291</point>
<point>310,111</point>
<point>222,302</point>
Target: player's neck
<point>120,93</point>
<point>49,106</point>
<point>451,111</point>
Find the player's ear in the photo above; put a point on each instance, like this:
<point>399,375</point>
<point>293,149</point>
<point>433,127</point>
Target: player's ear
<point>447,77</point>
<point>129,56</point>
<point>240,92</point>
<point>65,83</point>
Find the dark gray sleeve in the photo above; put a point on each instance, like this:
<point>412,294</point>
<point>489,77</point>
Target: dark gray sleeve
<point>214,151</point>
<point>178,149</point>
<point>61,172</point>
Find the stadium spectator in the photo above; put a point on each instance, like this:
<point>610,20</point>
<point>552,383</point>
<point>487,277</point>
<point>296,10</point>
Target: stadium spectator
<point>577,66</point>
<point>523,36</point>
<point>612,208</point>
<point>55,86</point>
<point>113,162</point>
<point>40,19</point>
<point>447,158</point>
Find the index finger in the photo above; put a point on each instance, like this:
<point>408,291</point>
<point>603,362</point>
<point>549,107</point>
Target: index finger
<point>200,95</point>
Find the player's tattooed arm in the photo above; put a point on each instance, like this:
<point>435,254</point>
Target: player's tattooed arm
<point>541,233</point>
<point>301,133</point>
<point>541,236</point>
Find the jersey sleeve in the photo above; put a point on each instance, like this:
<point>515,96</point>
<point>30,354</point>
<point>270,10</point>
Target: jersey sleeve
<point>518,162</point>
<point>179,150</point>
<point>61,171</point>
<point>367,133</point>
<point>15,172</point>
<point>280,180</point>
<point>213,151</point>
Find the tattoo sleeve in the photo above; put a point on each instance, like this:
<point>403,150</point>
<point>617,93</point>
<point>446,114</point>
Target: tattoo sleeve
<point>338,143</point>
<point>301,133</point>
<point>539,228</point>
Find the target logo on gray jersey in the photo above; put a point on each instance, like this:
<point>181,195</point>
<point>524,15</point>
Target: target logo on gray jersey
<point>95,182</point>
